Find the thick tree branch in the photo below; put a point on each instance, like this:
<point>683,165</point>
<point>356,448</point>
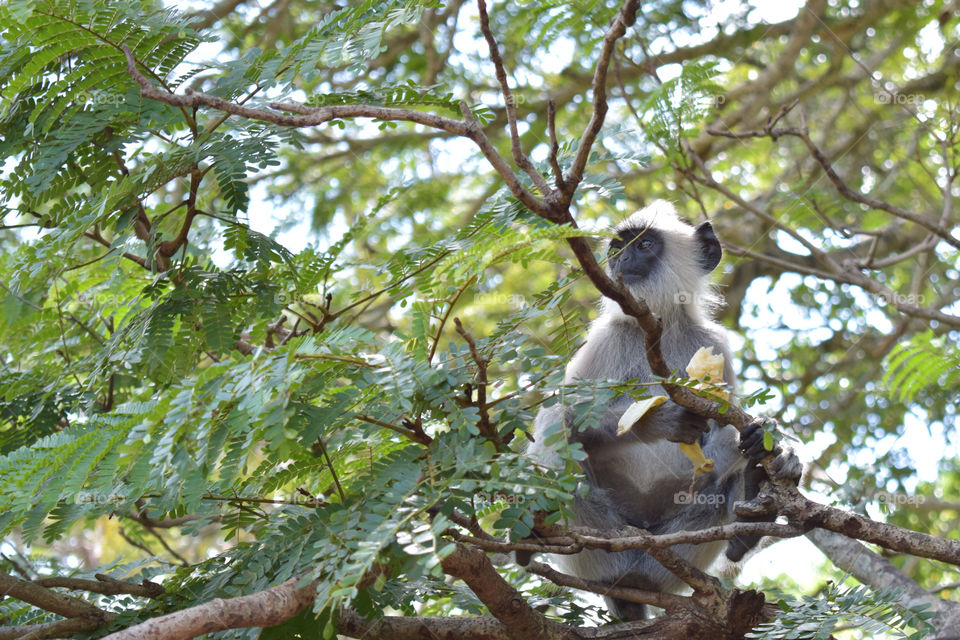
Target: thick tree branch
<point>352,624</point>
<point>504,602</point>
<point>67,628</point>
<point>43,598</point>
<point>80,615</point>
<point>806,513</point>
<point>263,609</point>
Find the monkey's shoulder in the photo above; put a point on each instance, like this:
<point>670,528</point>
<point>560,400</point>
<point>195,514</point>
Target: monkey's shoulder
<point>615,348</point>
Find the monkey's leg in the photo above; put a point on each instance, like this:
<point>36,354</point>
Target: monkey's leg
<point>626,610</point>
<point>785,465</point>
<point>738,546</point>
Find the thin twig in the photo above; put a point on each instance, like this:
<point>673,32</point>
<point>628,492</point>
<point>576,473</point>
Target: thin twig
<point>307,116</point>
<point>421,438</point>
<point>666,601</point>
<point>845,190</point>
<point>625,18</point>
<point>485,426</point>
<point>518,155</point>
<point>554,146</point>
<point>446,314</point>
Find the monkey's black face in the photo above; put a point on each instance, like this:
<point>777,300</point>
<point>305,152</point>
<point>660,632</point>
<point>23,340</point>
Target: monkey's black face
<point>635,254</point>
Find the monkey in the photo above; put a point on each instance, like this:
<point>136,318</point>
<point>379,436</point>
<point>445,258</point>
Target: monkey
<point>642,478</point>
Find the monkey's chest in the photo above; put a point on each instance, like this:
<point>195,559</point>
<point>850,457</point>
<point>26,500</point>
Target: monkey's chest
<point>650,482</point>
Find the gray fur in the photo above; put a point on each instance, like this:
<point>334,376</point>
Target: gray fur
<point>642,477</point>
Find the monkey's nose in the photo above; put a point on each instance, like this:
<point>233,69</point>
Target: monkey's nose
<point>633,265</point>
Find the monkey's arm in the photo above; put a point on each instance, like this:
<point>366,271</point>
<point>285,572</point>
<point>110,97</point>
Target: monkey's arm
<point>669,421</point>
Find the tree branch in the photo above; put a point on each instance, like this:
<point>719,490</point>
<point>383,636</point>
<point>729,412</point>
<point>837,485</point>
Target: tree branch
<point>105,585</point>
<point>667,601</point>
<point>263,609</point>
<point>352,624</point>
<point>43,598</point>
<point>506,603</point>
<point>938,228</point>
<point>67,628</point>
<point>311,116</point>
<point>486,427</point>
<point>801,511</point>
<point>625,18</point>
<point>878,572</point>
<point>518,155</point>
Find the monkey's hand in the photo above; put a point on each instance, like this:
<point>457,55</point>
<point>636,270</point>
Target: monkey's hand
<point>676,424</point>
<point>785,464</point>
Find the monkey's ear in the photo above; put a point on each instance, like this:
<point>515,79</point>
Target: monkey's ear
<point>710,250</point>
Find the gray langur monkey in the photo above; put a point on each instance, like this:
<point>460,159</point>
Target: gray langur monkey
<point>642,478</point>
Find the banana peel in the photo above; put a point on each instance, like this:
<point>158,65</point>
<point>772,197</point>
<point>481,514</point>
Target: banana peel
<point>630,417</point>
<point>701,463</point>
<point>636,411</point>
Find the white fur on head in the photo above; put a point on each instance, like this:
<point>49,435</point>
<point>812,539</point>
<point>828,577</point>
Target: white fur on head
<point>680,285</point>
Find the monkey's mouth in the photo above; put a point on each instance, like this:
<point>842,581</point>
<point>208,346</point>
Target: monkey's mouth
<point>633,278</point>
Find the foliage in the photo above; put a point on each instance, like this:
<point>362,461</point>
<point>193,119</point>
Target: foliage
<point>251,328</point>
<point>869,610</point>
<point>925,361</point>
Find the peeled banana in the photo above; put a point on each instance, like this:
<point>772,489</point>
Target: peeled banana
<point>704,363</point>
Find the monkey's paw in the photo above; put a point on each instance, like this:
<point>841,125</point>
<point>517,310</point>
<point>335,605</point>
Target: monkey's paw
<point>785,464</point>
<point>751,441</point>
<point>679,424</point>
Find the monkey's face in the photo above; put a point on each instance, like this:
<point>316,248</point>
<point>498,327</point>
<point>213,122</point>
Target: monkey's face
<point>635,254</point>
<point>664,260</point>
